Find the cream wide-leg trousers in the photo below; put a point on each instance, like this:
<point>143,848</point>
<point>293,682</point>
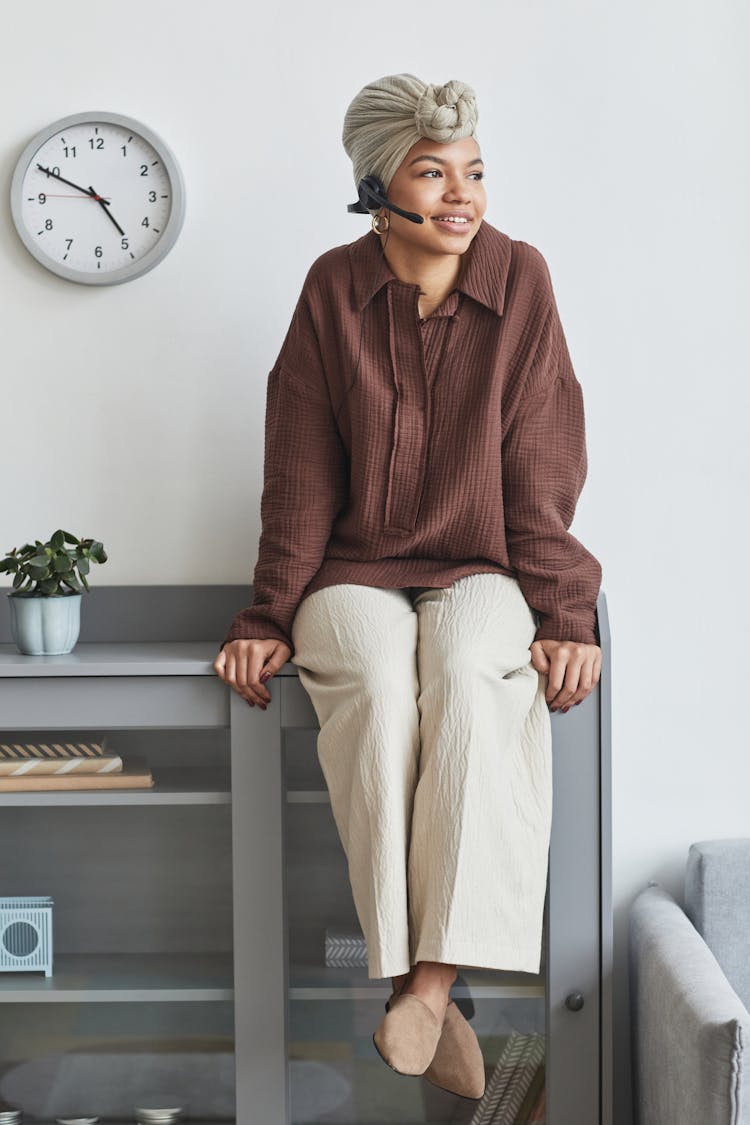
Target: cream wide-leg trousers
<point>435,743</point>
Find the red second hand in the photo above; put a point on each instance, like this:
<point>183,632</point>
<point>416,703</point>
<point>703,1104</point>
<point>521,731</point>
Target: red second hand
<point>59,195</point>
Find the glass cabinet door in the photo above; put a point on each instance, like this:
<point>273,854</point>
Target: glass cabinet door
<point>139,1004</point>
<point>335,1071</point>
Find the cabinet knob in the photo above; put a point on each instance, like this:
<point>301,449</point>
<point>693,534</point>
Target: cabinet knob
<point>574,1001</point>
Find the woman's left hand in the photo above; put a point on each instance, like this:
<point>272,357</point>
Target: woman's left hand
<point>572,669</point>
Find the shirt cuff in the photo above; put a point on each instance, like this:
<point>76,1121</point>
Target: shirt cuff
<point>245,628</point>
<point>561,629</point>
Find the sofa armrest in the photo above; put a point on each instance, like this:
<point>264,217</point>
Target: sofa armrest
<point>717,902</point>
<point>690,1030</point>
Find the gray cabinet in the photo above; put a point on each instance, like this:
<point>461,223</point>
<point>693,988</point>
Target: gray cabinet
<point>189,919</point>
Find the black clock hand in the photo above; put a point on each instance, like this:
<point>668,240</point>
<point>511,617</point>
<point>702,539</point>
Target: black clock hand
<point>104,204</point>
<point>86,191</point>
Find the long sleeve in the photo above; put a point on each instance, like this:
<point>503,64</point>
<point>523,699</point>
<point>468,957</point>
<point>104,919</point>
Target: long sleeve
<point>544,467</point>
<point>305,484</point>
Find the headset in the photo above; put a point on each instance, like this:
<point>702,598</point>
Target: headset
<point>371,192</point>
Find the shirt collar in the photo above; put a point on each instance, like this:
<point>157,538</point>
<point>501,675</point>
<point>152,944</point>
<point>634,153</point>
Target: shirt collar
<point>484,276</point>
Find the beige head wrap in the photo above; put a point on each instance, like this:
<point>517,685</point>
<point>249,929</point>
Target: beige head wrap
<point>390,115</point>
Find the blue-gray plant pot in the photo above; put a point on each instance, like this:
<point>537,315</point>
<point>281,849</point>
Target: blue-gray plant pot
<point>45,624</point>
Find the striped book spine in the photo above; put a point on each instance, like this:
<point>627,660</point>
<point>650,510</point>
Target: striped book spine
<point>510,1080</point>
<point>345,949</point>
<point>18,759</point>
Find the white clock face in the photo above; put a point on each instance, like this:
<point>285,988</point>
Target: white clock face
<point>95,201</point>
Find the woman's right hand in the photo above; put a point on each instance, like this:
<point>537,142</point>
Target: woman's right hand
<point>242,663</point>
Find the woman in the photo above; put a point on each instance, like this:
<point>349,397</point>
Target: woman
<point>425,450</point>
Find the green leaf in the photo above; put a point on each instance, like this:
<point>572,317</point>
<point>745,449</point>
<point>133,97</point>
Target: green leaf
<point>71,581</point>
<point>49,586</point>
<point>19,580</point>
<point>39,560</point>
<point>70,538</point>
<point>9,564</point>
<point>83,579</point>
<point>57,540</point>
<point>83,565</point>
<point>98,553</point>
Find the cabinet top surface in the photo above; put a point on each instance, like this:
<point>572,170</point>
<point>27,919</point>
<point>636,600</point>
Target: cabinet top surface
<point>170,658</point>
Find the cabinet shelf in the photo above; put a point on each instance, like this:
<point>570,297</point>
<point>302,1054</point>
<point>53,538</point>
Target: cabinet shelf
<point>307,797</point>
<point>173,658</point>
<point>172,786</point>
<point>107,977</point>
<point>320,982</point>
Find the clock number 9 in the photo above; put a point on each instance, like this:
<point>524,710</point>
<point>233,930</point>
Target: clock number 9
<point>42,197</point>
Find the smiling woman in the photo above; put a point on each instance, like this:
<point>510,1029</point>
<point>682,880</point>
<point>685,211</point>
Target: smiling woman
<point>425,450</point>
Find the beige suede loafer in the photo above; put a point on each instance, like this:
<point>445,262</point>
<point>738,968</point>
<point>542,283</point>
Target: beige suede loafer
<point>457,1064</point>
<point>408,1034</point>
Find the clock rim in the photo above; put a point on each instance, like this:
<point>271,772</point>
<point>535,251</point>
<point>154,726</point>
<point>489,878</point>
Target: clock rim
<point>176,216</point>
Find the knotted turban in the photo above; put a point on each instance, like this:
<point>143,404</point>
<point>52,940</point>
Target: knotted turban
<point>390,115</point>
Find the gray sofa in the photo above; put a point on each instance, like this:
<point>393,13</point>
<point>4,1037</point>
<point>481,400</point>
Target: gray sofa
<point>690,992</point>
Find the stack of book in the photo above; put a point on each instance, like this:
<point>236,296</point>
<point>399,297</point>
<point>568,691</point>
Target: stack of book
<point>514,1094</point>
<point>68,765</point>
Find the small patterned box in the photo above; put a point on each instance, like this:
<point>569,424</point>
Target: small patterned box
<point>26,935</point>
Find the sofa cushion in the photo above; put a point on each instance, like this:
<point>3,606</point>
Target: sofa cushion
<point>717,902</point>
<point>690,1029</point>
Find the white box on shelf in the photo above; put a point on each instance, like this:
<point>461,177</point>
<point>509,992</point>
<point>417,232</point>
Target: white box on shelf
<point>26,934</point>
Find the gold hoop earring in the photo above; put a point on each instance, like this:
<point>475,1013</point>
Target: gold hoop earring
<point>376,221</point>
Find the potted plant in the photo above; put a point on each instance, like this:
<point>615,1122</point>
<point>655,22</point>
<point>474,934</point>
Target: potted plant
<point>45,602</point>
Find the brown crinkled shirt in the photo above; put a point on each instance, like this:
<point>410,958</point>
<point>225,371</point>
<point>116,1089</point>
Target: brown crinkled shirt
<point>459,448</point>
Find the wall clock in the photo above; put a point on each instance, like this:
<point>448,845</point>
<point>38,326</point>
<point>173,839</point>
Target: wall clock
<point>97,198</point>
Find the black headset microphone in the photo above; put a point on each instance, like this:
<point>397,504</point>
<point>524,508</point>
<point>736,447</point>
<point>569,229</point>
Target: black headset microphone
<point>371,192</point>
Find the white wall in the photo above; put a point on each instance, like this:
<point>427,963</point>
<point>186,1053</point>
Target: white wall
<point>615,138</point>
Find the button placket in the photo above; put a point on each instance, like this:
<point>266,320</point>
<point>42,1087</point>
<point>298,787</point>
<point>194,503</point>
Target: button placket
<point>408,462</point>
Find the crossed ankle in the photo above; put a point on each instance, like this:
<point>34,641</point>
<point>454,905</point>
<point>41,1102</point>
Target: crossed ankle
<point>427,977</point>
<point>434,973</point>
